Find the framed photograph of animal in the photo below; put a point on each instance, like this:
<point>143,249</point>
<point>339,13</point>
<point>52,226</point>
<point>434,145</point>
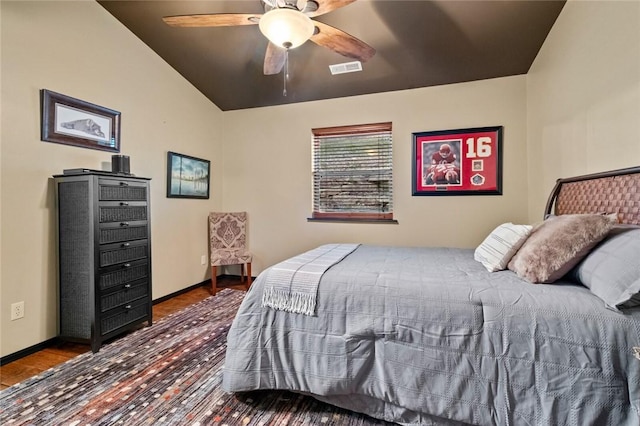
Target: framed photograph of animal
<point>458,162</point>
<point>70,121</point>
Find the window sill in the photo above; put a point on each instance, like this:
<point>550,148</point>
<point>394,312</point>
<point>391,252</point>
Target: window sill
<point>354,220</point>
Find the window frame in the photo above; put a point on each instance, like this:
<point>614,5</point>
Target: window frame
<point>350,130</point>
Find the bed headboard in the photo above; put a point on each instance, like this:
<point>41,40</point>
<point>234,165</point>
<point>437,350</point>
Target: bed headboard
<point>615,191</point>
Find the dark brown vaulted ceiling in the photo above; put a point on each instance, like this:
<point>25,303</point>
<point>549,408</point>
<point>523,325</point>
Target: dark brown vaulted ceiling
<point>419,43</point>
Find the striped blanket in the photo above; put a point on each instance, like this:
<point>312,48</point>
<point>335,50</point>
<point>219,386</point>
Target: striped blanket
<point>292,285</point>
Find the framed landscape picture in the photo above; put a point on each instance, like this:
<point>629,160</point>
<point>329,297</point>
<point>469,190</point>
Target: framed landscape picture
<point>187,177</point>
<point>458,162</point>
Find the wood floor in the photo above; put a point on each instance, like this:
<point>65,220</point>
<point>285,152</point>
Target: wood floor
<point>38,362</point>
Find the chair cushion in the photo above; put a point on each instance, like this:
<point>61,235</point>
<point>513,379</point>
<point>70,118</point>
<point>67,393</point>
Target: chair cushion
<point>230,257</point>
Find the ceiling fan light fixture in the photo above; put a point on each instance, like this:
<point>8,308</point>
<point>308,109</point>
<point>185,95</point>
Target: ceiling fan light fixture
<point>286,28</point>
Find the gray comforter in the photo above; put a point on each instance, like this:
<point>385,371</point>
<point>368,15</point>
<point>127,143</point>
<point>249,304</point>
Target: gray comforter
<point>428,336</point>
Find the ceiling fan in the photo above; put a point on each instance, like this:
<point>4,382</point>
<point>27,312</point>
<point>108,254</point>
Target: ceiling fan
<point>287,24</point>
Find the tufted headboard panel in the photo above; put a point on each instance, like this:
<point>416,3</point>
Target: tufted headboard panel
<point>616,191</point>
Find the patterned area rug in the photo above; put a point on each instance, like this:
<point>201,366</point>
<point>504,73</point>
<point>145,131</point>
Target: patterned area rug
<point>169,373</point>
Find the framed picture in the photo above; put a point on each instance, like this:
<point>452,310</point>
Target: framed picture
<point>458,162</point>
<point>70,121</point>
<point>187,177</point>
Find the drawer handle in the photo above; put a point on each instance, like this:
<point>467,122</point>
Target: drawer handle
<point>126,265</point>
<point>124,184</point>
<point>124,204</point>
<point>126,245</point>
<point>127,307</point>
<point>127,286</point>
<point>124,223</point>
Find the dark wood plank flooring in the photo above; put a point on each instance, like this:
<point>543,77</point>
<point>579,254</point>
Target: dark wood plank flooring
<point>31,365</point>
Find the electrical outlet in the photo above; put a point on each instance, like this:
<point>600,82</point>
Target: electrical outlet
<point>203,259</point>
<point>17,310</point>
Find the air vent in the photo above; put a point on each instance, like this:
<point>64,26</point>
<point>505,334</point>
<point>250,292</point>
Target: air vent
<point>345,67</point>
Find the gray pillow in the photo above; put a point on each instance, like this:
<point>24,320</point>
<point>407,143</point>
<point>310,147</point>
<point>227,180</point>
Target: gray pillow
<point>612,270</point>
<point>558,244</point>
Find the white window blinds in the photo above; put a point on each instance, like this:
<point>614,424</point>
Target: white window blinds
<point>353,172</point>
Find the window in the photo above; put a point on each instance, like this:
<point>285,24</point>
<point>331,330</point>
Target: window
<point>352,173</point>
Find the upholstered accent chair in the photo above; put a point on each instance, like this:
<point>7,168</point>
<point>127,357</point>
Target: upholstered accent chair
<point>228,244</point>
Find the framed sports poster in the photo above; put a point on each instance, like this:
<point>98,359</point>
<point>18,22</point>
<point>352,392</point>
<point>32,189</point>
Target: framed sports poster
<point>458,162</point>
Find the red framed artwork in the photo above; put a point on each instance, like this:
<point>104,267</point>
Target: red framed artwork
<point>458,162</point>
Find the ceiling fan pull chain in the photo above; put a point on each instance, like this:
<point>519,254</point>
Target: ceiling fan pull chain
<point>286,71</point>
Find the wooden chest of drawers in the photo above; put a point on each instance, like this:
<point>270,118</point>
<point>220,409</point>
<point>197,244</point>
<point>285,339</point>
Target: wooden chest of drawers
<point>104,253</point>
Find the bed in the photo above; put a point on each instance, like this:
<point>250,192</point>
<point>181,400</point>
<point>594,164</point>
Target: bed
<point>507,333</point>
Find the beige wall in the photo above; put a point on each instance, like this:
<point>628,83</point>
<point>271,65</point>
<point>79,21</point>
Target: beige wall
<point>583,95</point>
<point>267,168</point>
<point>78,49</point>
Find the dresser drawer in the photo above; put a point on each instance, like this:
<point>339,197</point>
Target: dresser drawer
<point>125,293</point>
<point>122,212</point>
<point>122,274</point>
<point>123,231</point>
<point>125,190</point>
<point>124,315</point>
<point>112,254</point>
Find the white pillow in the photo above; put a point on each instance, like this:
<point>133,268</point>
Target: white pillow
<point>500,245</point>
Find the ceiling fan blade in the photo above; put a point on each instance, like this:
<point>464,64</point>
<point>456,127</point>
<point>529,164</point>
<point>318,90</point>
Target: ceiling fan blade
<point>341,42</point>
<point>326,6</point>
<point>213,20</point>
<point>274,59</point>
